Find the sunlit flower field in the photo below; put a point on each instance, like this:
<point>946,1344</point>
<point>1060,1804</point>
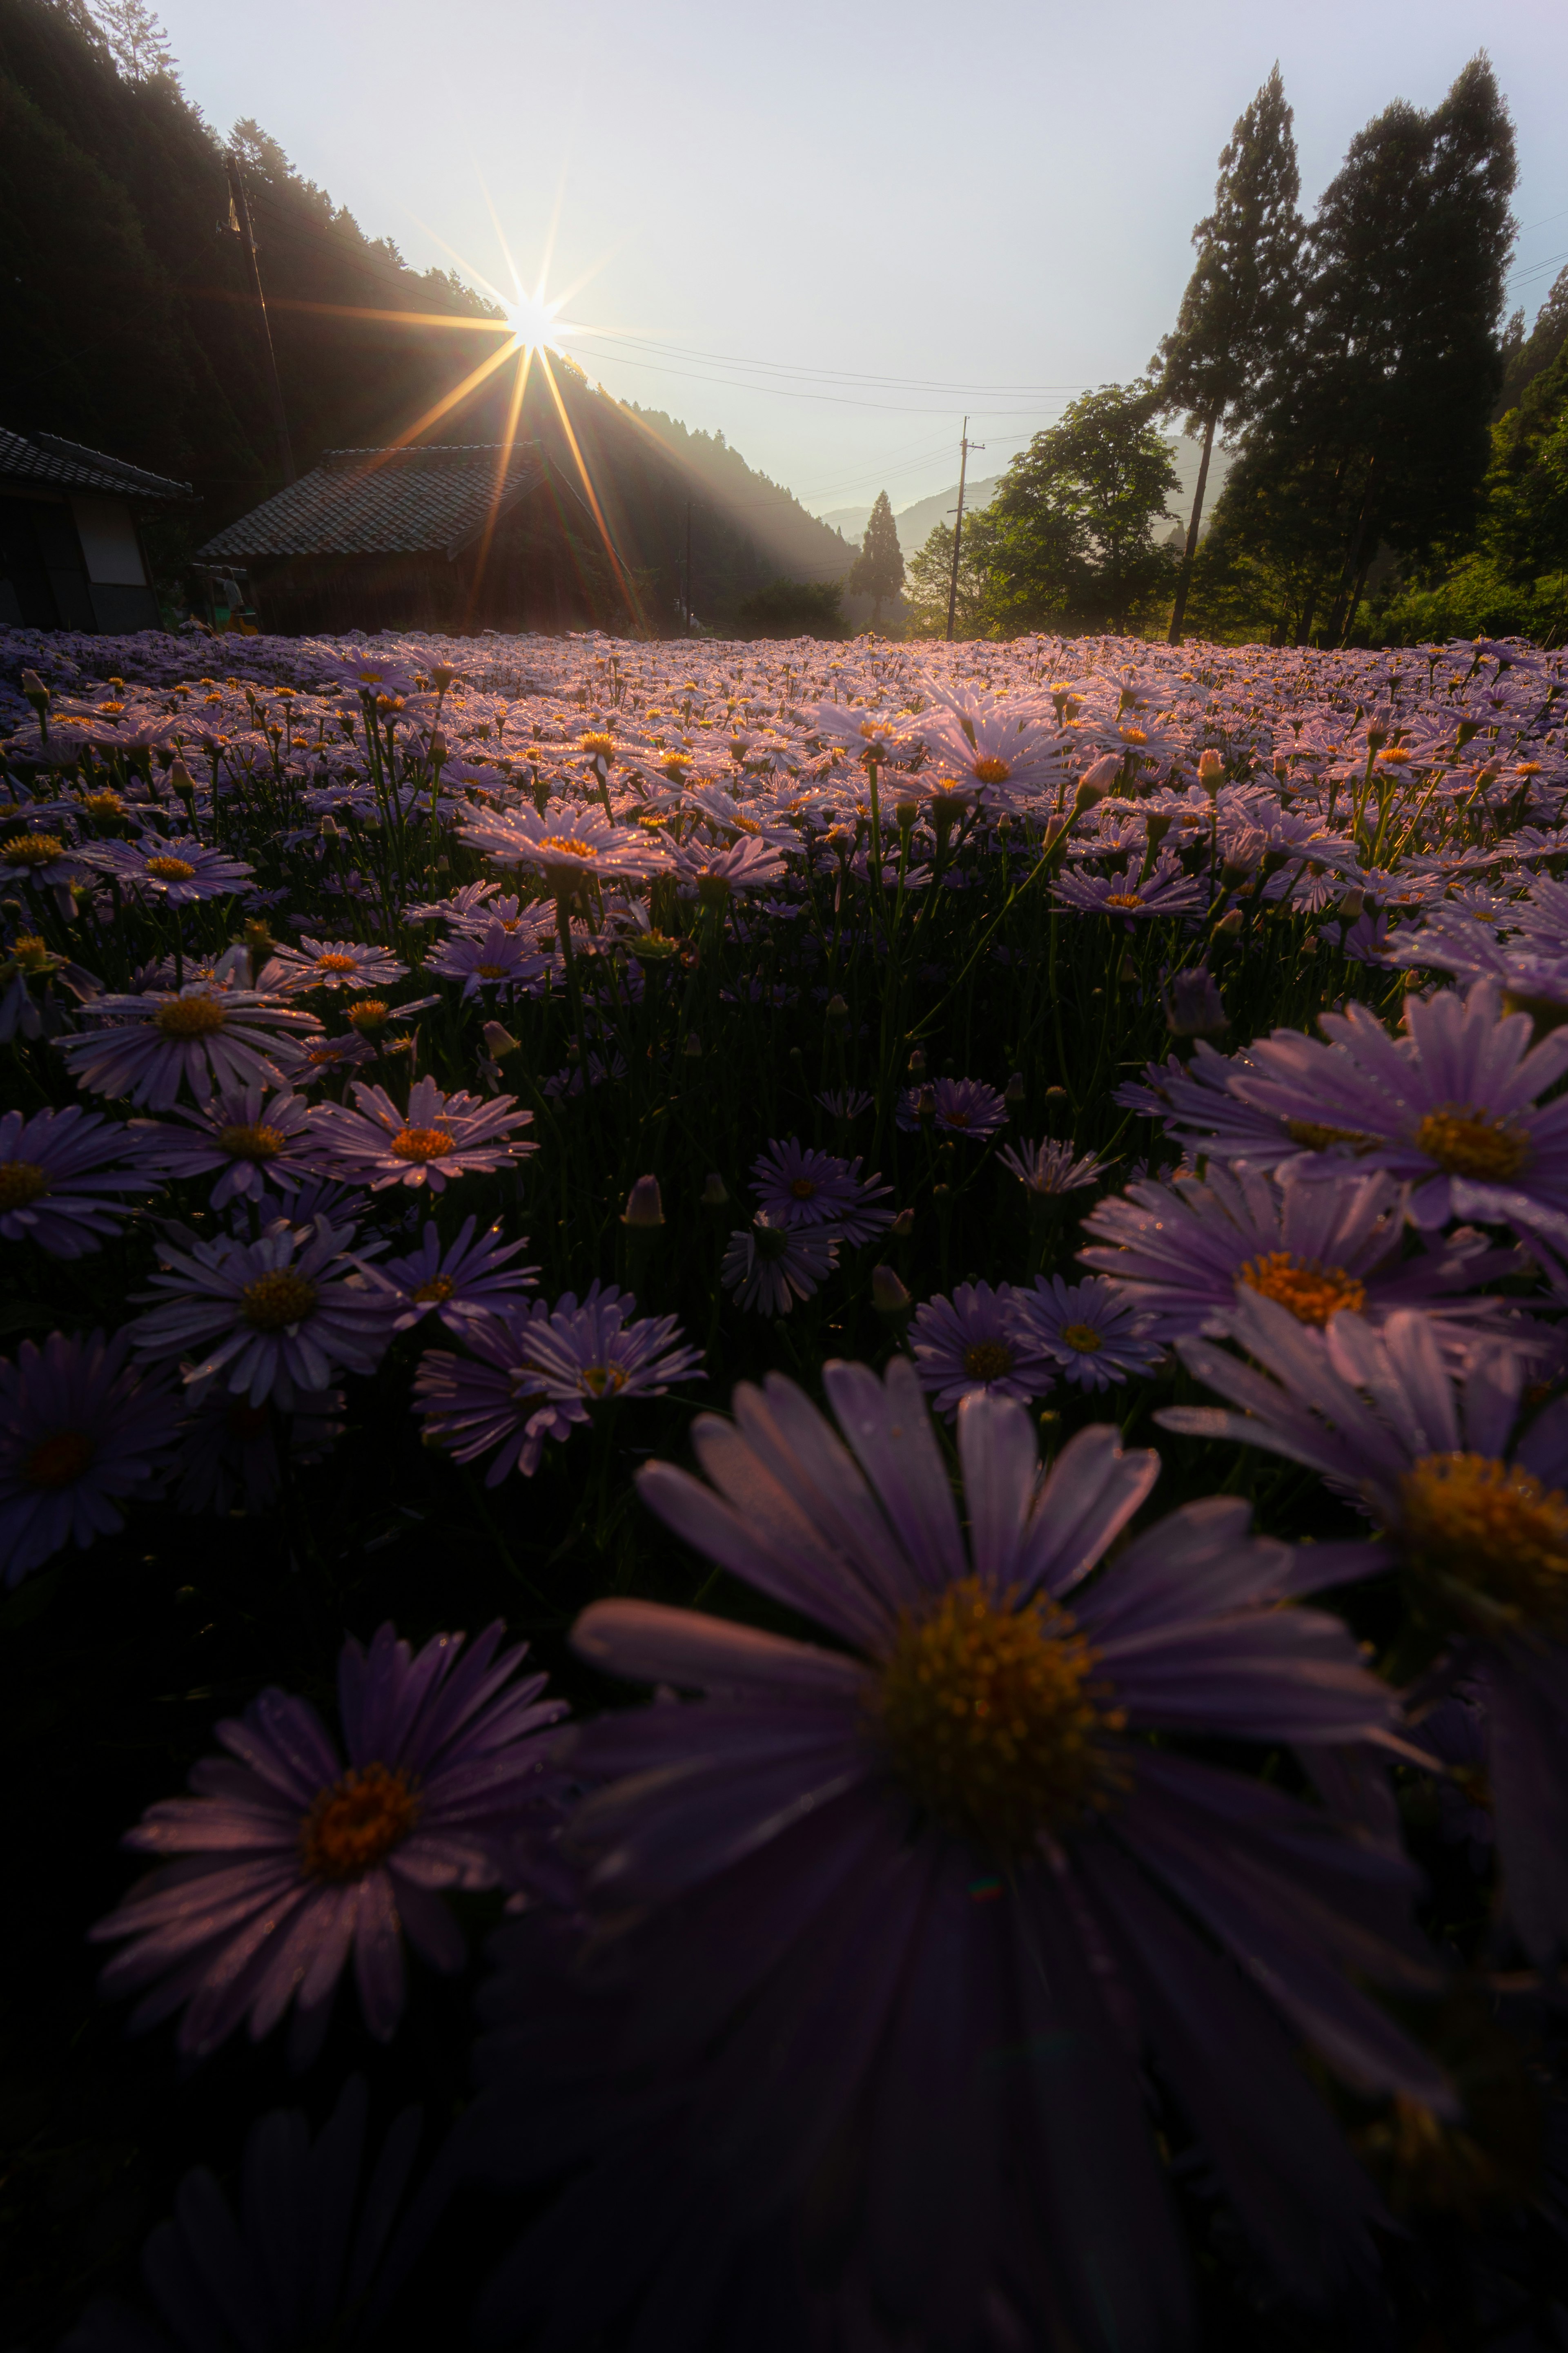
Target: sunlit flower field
<point>782,1491</point>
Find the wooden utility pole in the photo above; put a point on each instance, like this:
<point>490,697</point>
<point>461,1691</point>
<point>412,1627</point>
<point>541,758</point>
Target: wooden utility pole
<point>240,213</point>
<point>964,448</point>
<point>688,567</point>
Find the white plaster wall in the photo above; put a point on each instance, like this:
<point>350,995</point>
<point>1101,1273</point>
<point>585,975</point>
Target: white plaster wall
<point>108,539</point>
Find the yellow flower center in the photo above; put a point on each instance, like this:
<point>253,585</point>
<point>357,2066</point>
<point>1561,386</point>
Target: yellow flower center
<point>1133,735</point>
<point>803,1187</point>
<point>602,747</point>
<point>21,1182</point>
<point>59,1461</point>
<point>190,1017</point>
<point>357,1822</point>
<point>421,1143</point>
<point>368,1013</point>
<point>1465,1142</point>
<point>566,845</point>
<point>440,1287</point>
<point>274,1301</point>
<point>987,1360</point>
<point>171,869</point>
<point>258,1143</point>
<point>991,771</point>
<point>1311,1292</point>
<point>1125,899</point>
<point>334,961</point>
<point>1491,1539</point>
<point>991,1719</point>
<point>603,1380</point>
<point>103,805</point>
<point>1393,756</point>
<point>1313,1136</point>
<point>492,971</point>
<point>1084,1338</point>
<point>33,849</point>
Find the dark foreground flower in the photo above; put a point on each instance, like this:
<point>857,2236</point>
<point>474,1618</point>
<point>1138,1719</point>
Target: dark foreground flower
<point>797,1186</point>
<point>882,1937</point>
<point>288,1863</point>
<point>59,1173</point>
<point>1480,1534</point>
<point>78,1435</point>
<point>311,2259</point>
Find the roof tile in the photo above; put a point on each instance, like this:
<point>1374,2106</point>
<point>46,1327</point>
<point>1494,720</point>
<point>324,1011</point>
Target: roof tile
<point>385,503</point>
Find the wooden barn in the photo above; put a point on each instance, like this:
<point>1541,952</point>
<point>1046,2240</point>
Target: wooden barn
<point>441,536</point>
<point>70,543</point>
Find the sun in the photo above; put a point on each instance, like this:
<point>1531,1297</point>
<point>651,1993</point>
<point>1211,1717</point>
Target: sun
<point>535,323</point>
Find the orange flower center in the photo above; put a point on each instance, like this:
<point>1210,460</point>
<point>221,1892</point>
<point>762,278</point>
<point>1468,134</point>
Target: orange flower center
<point>1125,899</point>
<point>32,849</point>
<point>988,1360</point>
<point>21,1181</point>
<point>274,1301</point>
<point>258,1143</point>
<point>421,1143</point>
<point>1492,1540</point>
<point>357,1823</point>
<point>566,845</point>
<point>440,1287</point>
<point>1465,1142</point>
<point>1084,1338</point>
<point>171,869</point>
<point>190,1017</point>
<point>59,1461</point>
<point>803,1187</point>
<point>335,962</point>
<point>992,771</point>
<point>1311,1292</point>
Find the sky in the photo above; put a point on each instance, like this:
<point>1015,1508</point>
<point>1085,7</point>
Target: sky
<point>829,231</point>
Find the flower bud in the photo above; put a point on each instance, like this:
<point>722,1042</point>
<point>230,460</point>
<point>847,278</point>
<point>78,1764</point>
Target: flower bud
<point>499,1041</point>
<point>1192,1004</point>
<point>180,780</point>
<point>888,1296</point>
<point>1309,945</point>
<point>437,746</point>
<point>905,814</point>
<point>1157,826</point>
<point>692,1049</point>
<point>1229,925</point>
<point>916,1063</point>
<point>441,676</point>
<point>1211,771</point>
<point>1096,782</point>
<point>644,1206</point>
<point>715,1192</point>
<point>902,1227</point>
<point>837,1009</point>
<point>1014,1090</point>
<point>1352,902</point>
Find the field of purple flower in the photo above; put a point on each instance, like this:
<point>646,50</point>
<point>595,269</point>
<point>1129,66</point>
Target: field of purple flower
<point>951,1258</point>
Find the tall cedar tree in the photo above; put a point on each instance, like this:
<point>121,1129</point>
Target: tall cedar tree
<point>878,571</point>
<point>1068,538</point>
<point>1240,310</point>
<point>1375,429</point>
<point>1531,356</point>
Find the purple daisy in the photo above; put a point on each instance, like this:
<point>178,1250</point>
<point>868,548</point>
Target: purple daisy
<point>769,1267</point>
<point>502,960</point>
<point>332,964</point>
<point>440,1136</point>
<point>182,872</point>
<point>797,1185</point>
<point>1480,1534</point>
<point>1184,1251</point>
<point>202,1037</point>
<point>1046,1170</point>
<point>256,1139</point>
<point>883,1939</point>
<point>79,1432</point>
<point>469,1279</point>
<point>1453,1108</point>
<point>284,1862</point>
<point>278,1317</point>
<point>1167,890</point>
<point>1091,1329</point>
<point>493,1401</point>
<point>958,1106</point>
<point>572,844</point>
<point>314,2246</point>
<point>584,1355</point>
<point>229,1459</point>
<point>58,1174</point>
<point>969,1345</point>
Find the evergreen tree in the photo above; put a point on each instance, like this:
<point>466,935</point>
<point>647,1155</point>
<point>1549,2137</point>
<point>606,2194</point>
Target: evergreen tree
<point>1531,356</point>
<point>1240,312</point>
<point>1375,430</point>
<point>135,39</point>
<point>878,571</point>
<point>1069,537</point>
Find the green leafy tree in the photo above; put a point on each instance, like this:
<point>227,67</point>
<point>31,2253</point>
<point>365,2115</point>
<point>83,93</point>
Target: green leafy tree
<point>795,608</point>
<point>1525,527</point>
<point>928,576</point>
<point>1375,430</point>
<point>878,571</point>
<point>1068,539</point>
<point>1240,312</point>
<point>1528,356</point>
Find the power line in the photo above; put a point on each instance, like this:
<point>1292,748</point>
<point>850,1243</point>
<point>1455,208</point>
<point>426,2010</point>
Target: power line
<point>824,376</point>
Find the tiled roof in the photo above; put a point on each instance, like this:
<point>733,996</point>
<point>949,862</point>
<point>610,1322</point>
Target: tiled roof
<point>45,458</point>
<point>434,499</point>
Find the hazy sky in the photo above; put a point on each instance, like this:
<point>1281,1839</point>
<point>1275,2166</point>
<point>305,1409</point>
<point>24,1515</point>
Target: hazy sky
<point>832,226</point>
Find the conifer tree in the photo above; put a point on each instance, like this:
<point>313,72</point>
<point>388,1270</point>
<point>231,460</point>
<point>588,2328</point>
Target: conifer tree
<point>136,40</point>
<point>1240,311</point>
<point>878,571</point>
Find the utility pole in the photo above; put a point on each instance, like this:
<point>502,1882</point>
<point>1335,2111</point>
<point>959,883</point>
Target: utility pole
<point>240,212</point>
<point>964,448</point>
<point>688,567</point>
